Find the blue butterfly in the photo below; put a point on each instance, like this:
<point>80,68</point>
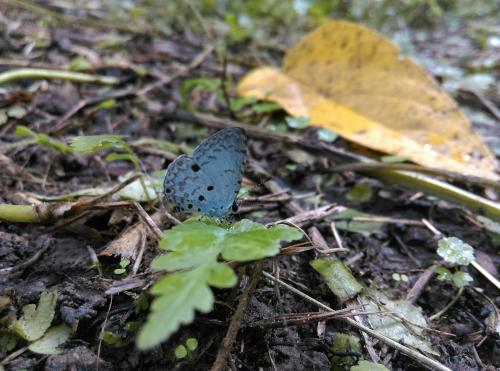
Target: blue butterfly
<point>209,180</point>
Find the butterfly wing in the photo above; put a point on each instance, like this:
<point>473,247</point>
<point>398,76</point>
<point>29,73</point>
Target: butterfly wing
<point>209,181</point>
<point>222,158</point>
<point>183,186</point>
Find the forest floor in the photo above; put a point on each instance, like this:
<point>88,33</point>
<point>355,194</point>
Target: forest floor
<point>159,74</point>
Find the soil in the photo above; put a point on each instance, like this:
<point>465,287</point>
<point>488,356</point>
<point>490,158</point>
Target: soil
<point>67,263</point>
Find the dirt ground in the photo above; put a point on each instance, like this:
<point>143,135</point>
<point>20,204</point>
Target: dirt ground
<point>139,59</point>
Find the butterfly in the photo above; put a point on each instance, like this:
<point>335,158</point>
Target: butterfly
<point>208,181</point>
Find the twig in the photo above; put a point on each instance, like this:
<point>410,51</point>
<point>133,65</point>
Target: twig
<point>102,332</point>
<point>422,281</point>
<point>235,324</point>
<point>148,221</point>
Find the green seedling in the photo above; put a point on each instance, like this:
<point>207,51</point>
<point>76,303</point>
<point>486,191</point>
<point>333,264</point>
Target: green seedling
<point>186,349</point>
<point>400,277</point>
<point>124,263</point>
<point>85,145</point>
<point>459,255</point>
<point>42,139</point>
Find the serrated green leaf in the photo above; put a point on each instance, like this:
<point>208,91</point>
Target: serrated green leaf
<point>85,145</point>
<point>36,319</point>
<point>50,341</point>
<point>455,251</point>
<point>179,295</point>
<point>196,245</point>
<point>251,241</point>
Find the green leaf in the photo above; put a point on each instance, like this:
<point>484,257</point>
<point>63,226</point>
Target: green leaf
<point>366,228</point>
<point>16,111</point>
<point>36,319</point>
<point>112,339</point>
<point>119,271</point>
<point>192,344</point>
<point>455,251</point>
<point>24,131</point>
<point>360,193</point>
<point>368,366</point>
<point>338,277</point>
<point>299,122</point>
<point>85,145</point>
<point>181,352</point>
<point>461,279</point>
<point>79,64</point>
<point>194,248</point>
<point>327,135</point>
<point>394,159</point>
<point>107,104</point>
<point>266,107</point>
<point>443,274</point>
<point>345,344</point>
<point>179,295</point>
<point>50,341</point>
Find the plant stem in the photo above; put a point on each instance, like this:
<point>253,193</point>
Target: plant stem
<point>448,306</point>
<point>39,73</point>
<point>19,214</point>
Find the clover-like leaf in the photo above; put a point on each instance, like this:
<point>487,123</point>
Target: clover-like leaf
<point>455,251</point>
<point>461,279</point>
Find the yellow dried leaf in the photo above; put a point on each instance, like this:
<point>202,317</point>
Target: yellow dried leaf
<point>350,79</point>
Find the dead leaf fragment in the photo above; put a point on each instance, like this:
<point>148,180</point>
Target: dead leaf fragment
<point>350,79</point>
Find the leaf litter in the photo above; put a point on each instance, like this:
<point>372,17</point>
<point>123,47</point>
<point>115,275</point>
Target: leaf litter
<point>87,248</point>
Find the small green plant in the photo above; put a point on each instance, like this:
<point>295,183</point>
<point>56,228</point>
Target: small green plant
<point>85,145</point>
<point>194,266</point>
<point>300,122</point>
<point>124,263</point>
<point>457,253</point>
<point>42,139</point>
<point>186,349</point>
<point>400,277</point>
